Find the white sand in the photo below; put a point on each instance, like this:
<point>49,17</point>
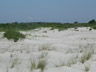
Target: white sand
<point>63,51</point>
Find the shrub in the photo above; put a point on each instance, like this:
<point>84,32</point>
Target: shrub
<point>44,31</point>
<point>75,28</point>
<point>90,29</point>
<point>76,22</point>
<point>12,34</point>
<point>92,21</point>
<point>94,27</point>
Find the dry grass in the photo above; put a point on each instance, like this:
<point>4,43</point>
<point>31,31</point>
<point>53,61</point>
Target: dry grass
<point>86,56</point>
<point>87,68</point>
<point>46,48</point>
<point>43,55</point>
<point>41,64</point>
<point>14,62</point>
<point>67,63</point>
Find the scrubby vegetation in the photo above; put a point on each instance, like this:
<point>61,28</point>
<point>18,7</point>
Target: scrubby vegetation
<point>41,64</point>
<point>34,25</point>
<point>12,34</point>
<point>86,56</point>
<point>12,29</point>
<point>92,21</point>
<point>87,68</point>
<point>94,27</point>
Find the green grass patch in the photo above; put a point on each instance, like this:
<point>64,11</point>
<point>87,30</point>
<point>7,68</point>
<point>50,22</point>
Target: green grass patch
<point>12,34</point>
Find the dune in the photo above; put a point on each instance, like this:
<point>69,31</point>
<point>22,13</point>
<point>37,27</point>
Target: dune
<point>45,50</point>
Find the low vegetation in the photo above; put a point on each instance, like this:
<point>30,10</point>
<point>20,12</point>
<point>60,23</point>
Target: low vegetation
<point>14,62</point>
<point>40,65</point>
<point>92,21</point>
<point>12,34</point>
<point>34,25</point>
<point>43,54</point>
<point>94,27</point>
<point>12,29</point>
<point>67,63</point>
<point>87,68</point>
<point>86,56</point>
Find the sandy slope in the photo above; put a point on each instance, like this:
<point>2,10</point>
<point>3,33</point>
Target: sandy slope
<point>62,50</point>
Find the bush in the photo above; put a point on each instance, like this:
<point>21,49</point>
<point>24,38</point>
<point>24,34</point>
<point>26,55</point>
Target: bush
<point>94,27</point>
<point>12,34</point>
<point>92,21</point>
<point>90,29</point>
<point>75,22</point>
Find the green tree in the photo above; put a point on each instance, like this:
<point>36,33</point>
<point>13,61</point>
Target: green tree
<point>92,21</point>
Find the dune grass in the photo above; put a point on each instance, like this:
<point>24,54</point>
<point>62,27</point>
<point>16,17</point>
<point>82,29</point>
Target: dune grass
<point>86,56</point>
<point>14,62</point>
<point>87,68</point>
<point>41,64</point>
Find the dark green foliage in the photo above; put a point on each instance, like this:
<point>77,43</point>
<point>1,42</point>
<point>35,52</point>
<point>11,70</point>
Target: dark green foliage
<point>92,21</point>
<point>75,22</point>
<point>29,26</point>
<point>42,64</point>
<point>75,28</point>
<point>94,27</point>
<point>12,34</point>
<point>90,29</point>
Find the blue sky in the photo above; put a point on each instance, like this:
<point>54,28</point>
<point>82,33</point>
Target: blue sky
<point>47,10</point>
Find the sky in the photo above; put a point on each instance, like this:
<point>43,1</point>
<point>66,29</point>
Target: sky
<point>65,11</point>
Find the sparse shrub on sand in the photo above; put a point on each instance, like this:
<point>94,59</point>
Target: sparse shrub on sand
<point>90,29</point>
<point>44,31</point>
<point>43,47</point>
<point>12,34</point>
<point>75,28</point>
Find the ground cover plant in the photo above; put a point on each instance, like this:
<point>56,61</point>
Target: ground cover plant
<point>34,25</point>
<point>12,34</point>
